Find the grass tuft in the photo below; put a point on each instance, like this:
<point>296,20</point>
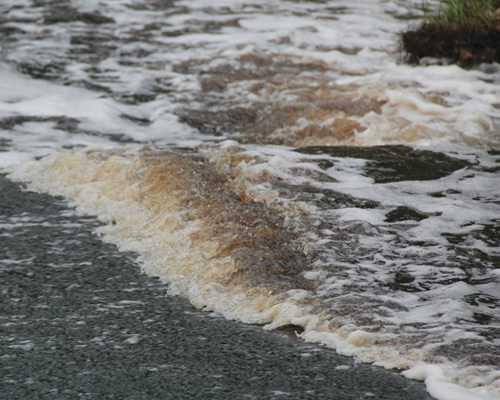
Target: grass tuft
<point>464,31</point>
<point>468,14</point>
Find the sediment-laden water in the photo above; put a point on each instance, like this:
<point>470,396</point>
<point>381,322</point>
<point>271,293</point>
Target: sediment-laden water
<point>277,163</point>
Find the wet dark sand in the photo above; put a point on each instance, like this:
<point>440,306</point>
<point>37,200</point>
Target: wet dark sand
<point>79,320</point>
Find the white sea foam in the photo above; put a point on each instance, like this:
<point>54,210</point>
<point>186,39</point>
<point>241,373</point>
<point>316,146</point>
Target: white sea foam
<point>171,77</point>
<point>391,328</point>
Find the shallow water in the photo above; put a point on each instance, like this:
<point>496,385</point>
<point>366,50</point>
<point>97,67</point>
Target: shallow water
<point>276,163</point>
<point>80,320</point>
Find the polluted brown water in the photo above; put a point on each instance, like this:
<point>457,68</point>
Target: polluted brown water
<point>199,228</point>
<point>279,164</point>
<point>275,99</point>
<point>260,239</point>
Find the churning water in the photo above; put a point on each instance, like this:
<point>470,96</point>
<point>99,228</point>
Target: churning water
<point>275,162</point>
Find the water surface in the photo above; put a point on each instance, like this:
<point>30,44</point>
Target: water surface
<point>276,163</point>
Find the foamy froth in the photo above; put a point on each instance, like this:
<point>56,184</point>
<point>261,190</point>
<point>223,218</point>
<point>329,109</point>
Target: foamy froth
<point>190,226</point>
<point>224,228</point>
<point>389,254</point>
<point>312,103</point>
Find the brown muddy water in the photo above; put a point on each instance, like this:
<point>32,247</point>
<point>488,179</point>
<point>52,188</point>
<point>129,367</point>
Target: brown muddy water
<point>275,164</point>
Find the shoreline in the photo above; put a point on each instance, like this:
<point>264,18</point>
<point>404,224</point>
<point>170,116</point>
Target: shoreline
<point>81,320</point>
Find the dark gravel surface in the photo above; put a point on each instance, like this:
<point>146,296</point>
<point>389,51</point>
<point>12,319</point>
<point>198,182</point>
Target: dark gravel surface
<point>78,319</point>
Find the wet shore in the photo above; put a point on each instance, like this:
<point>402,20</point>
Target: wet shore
<point>79,320</point>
